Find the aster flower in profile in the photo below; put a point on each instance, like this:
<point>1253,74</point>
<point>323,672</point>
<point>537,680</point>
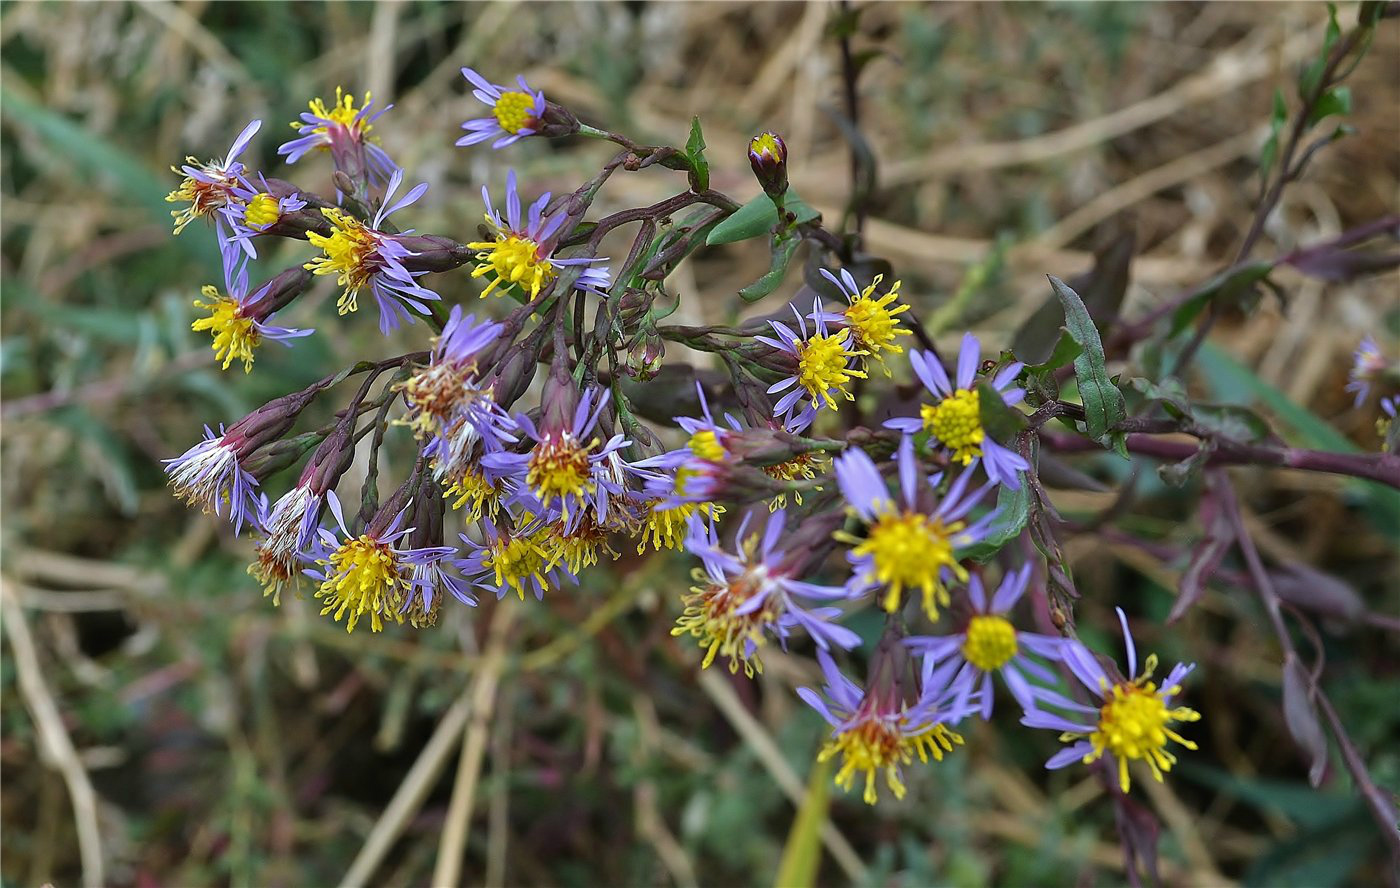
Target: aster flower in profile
<point>515,113</point>
<point>1133,723</point>
<point>209,187</point>
<point>1367,365</point>
<point>989,644</point>
<point>255,210</point>
<point>873,321</point>
<point>743,597</point>
<point>369,573</point>
<point>910,542</point>
<point>821,362</point>
<point>238,320</point>
<point>363,255</point>
<point>523,250</point>
<point>567,468</point>
<point>449,385</point>
<point>513,560</point>
<point>954,420</point>
<point>431,580</point>
<point>211,474</point>
<point>344,131</point>
<point>881,729</point>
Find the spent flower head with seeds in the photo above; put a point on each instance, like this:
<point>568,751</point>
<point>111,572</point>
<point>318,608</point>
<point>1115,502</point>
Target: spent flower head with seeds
<point>954,418</point>
<point>210,186</point>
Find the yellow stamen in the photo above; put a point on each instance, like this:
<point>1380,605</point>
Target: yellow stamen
<point>512,259</point>
<point>990,643</point>
<point>803,467</point>
<point>559,467</point>
<point>879,743</point>
<point>705,445</point>
<point>956,422</point>
<point>363,576</point>
<point>204,197</point>
<point>873,324</point>
<point>235,337</point>
<point>909,550</point>
<point>518,559</point>
<point>472,487</point>
<point>350,253</point>
<point>341,113</point>
<point>515,111</point>
<point>668,528</point>
<point>823,365</point>
<point>261,211</point>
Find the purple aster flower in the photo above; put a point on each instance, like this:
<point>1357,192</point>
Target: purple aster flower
<point>369,573</point>
<point>909,542</point>
<point>1367,365</point>
<point>254,210</point>
<point>362,254</point>
<point>523,251</point>
<point>883,728</point>
<point>239,320</point>
<point>955,419</point>
<point>1134,721</point>
<point>209,187</point>
<point>515,114</point>
<point>745,596</point>
<point>874,324</point>
<point>450,385</point>
<point>990,643</point>
<point>345,132</point>
<point>821,363</point>
<point>210,474</point>
<point>512,561</point>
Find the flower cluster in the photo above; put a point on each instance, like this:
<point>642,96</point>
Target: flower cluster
<point>797,514</point>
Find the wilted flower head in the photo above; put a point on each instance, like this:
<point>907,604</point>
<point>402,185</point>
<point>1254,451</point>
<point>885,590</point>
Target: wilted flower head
<point>208,187</point>
<point>873,323</point>
<point>239,320</point>
<point>448,385</point>
<point>210,474</point>
<point>823,362</point>
<point>1133,722</point>
<point>523,251</point>
<point>954,420</point>
<point>345,132</point>
<point>882,728</point>
<point>991,643</point>
<point>743,597</point>
<point>909,542</point>
<point>515,114</point>
<point>360,254</point>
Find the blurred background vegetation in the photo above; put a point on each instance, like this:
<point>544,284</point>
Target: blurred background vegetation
<point>228,741</point>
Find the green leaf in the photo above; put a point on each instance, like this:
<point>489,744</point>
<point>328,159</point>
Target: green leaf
<point>1311,78</point>
<point>1170,392</point>
<point>757,218</point>
<point>802,854</point>
<point>1013,511</point>
<point>777,270</point>
<point>1229,287</point>
<point>1000,422</point>
<point>1233,422</point>
<point>695,151</point>
<point>1276,124</point>
<point>1334,101</point>
<point>1103,402</point>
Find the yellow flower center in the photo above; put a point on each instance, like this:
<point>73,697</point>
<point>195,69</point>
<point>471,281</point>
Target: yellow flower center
<point>1134,724</point>
<point>516,560</point>
<point>512,259</point>
<point>879,743</point>
<point>350,253</point>
<point>473,488</point>
<point>991,641</point>
<point>204,197</point>
<point>363,576</point>
<point>515,111</point>
<point>908,550</point>
<point>668,528</point>
<point>434,392</point>
<point>873,324</point>
<point>341,113</point>
<point>705,445</point>
<point>956,422</point>
<point>261,211</point>
<point>766,144</point>
<point>711,615</point>
<point>803,467</point>
<point>559,467</point>
<point>823,365</point>
<point>235,337</point>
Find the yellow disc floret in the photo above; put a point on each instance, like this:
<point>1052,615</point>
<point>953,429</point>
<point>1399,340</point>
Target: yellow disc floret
<point>235,337</point>
<point>823,366</point>
<point>880,743</point>
<point>472,490</point>
<point>1133,724</point>
<point>515,111</point>
<point>990,643</point>
<point>341,113</point>
<point>350,251</point>
<point>705,445</point>
<point>956,422</point>
<point>908,550</point>
<point>559,467</point>
<point>668,528</point>
<point>712,615</point>
<point>517,559</point>
<point>873,324</point>
<point>363,576</point>
<point>513,259</point>
<point>261,211</point>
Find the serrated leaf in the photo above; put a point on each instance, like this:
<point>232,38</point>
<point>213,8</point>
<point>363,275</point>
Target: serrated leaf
<point>1013,511</point>
<point>695,151</point>
<point>1103,402</point>
<point>757,218</point>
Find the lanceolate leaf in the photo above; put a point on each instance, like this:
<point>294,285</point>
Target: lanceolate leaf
<point>1103,402</point>
<point>695,152</point>
<point>757,218</point>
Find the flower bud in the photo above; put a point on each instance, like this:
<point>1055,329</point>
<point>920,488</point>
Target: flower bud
<point>434,253</point>
<point>268,423</point>
<point>768,157</point>
<point>515,373</point>
<point>278,293</point>
<point>644,357</point>
<point>559,399</point>
<point>557,121</point>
